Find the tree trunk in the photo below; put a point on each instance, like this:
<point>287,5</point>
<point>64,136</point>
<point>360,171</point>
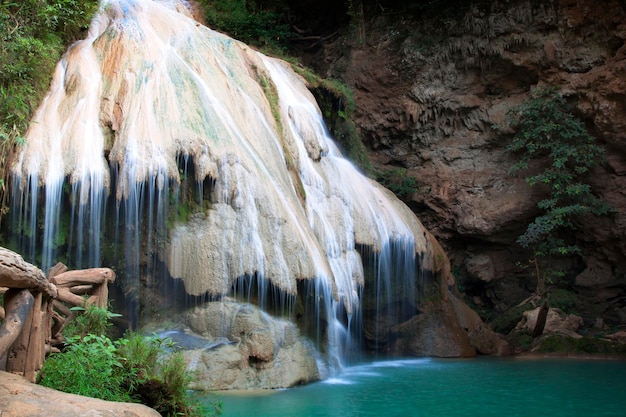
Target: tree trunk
<point>17,304</point>
<point>542,315</point>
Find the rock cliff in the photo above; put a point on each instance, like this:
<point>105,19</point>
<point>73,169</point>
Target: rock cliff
<point>429,87</point>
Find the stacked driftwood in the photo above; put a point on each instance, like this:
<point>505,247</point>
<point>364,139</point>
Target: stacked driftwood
<point>37,308</point>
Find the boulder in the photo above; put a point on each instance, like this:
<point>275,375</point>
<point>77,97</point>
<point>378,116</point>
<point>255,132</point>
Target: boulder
<point>246,348</point>
<point>557,322</point>
<point>482,338</point>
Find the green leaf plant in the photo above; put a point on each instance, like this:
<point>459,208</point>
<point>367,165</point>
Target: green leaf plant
<point>134,368</point>
<point>554,151</point>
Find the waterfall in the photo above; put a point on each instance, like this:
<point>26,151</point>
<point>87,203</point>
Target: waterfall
<point>199,168</point>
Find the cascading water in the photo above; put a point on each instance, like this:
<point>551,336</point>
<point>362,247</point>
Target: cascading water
<point>180,156</point>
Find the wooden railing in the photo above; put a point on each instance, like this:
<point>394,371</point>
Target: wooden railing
<point>37,307</point>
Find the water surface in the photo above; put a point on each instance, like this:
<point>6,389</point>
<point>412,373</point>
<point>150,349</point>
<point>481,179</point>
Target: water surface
<point>482,387</point>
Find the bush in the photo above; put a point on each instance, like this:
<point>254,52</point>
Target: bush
<point>89,367</point>
<point>562,299</point>
<point>90,319</point>
<point>134,368</point>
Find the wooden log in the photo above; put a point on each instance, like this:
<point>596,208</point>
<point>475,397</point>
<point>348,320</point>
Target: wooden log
<point>82,289</point>
<point>17,273</point>
<point>66,296</point>
<point>61,308</point>
<point>102,296</point>
<point>84,276</point>
<point>18,305</point>
<point>16,360</point>
<point>58,323</point>
<point>60,319</point>
<point>47,325</point>
<point>59,268</point>
<point>35,347</point>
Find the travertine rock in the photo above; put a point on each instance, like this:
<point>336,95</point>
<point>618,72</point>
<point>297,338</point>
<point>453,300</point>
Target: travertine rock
<point>246,348</point>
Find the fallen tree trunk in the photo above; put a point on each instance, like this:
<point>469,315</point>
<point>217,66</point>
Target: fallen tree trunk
<point>17,273</point>
<point>17,305</point>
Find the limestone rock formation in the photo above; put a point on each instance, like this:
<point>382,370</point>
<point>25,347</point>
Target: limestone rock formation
<point>245,348</point>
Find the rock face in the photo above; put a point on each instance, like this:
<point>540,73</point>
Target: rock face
<point>20,398</point>
<point>428,92</point>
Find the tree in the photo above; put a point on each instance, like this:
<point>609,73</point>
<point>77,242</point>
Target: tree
<point>554,151</point>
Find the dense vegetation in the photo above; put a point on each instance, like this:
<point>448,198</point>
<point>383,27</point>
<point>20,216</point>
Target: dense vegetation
<point>133,368</point>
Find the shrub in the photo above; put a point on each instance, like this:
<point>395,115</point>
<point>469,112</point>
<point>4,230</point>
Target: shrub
<point>134,368</point>
<point>89,319</point>
<point>397,181</point>
<point>562,299</point>
<point>88,367</point>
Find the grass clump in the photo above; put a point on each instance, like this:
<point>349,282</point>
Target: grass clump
<point>133,368</point>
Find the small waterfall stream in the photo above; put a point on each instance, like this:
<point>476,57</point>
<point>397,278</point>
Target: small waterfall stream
<point>199,168</point>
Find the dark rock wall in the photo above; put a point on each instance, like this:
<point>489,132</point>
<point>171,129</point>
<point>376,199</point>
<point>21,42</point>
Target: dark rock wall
<point>429,89</point>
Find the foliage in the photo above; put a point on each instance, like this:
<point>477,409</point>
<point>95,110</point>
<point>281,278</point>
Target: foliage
<point>88,367</point>
<point>397,181</point>
<point>134,368</point>
<point>554,151</point>
<point>90,319</point>
<point>562,299</point>
<point>252,22</point>
<point>336,100</point>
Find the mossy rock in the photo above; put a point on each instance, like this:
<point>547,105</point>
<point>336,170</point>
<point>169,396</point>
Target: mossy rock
<point>506,321</point>
<point>584,345</point>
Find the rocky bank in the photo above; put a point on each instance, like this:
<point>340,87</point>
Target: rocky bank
<point>429,87</point>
